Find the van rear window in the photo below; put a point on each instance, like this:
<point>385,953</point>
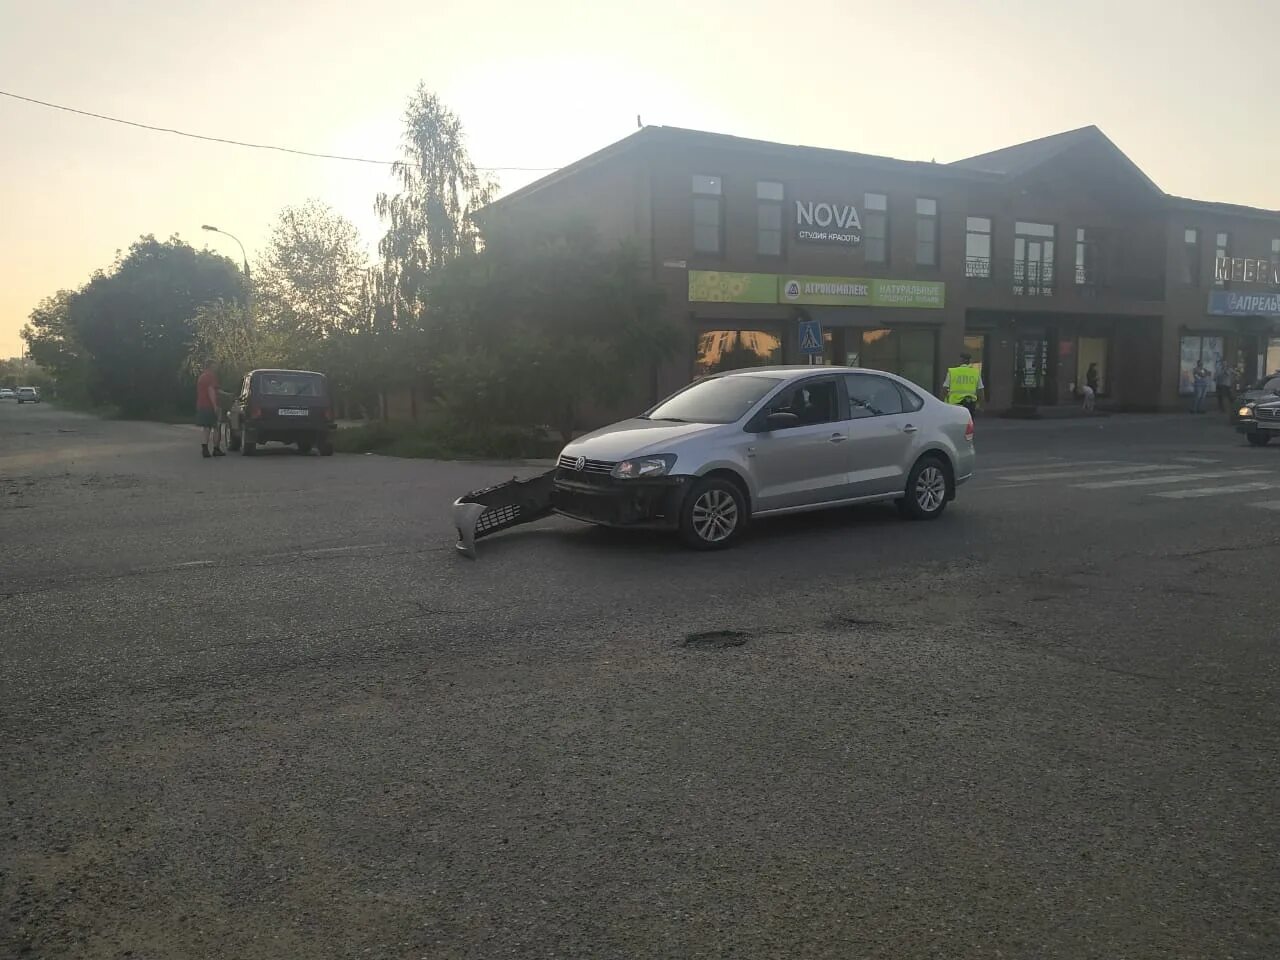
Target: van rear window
<point>290,385</point>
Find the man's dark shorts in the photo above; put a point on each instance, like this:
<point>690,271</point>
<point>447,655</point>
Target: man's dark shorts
<point>206,418</point>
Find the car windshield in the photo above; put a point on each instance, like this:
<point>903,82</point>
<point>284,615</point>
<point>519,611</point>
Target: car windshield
<point>290,385</point>
<point>719,400</point>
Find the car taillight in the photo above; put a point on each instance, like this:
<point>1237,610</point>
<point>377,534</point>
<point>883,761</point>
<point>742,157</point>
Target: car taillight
<point>968,430</point>
<point>328,413</point>
<point>255,411</point>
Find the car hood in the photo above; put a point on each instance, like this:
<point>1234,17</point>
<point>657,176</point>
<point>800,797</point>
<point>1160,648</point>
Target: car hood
<point>1256,396</point>
<point>635,438</point>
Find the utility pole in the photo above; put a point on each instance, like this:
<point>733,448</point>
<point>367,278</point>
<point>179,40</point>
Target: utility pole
<point>248,280</point>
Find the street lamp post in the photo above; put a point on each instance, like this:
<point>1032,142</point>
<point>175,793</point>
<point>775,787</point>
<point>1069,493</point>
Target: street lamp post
<point>248,280</point>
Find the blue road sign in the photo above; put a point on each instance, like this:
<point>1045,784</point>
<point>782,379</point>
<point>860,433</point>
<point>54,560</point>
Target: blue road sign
<point>811,338</point>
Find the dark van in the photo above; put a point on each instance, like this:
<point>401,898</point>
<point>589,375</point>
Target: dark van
<point>283,406</point>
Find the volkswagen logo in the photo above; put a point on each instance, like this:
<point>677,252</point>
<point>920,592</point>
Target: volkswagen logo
<point>580,463</point>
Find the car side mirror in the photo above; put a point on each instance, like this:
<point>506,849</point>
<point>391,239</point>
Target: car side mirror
<point>780,421</point>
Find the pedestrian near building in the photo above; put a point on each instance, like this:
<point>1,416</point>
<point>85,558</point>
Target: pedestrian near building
<point>963,384</point>
<point>1201,378</point>
<point>1091,378</point>
<point>1226,386</point>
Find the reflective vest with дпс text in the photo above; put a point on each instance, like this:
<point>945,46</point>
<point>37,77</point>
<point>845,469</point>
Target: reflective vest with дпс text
<point>962,384</point>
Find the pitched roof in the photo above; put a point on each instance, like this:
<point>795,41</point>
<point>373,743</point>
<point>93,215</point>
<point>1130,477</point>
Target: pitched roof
<point>1021,157</point>
<point>1215,206</point>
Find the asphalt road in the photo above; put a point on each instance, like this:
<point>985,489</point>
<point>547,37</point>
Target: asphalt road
<point>258,709</point>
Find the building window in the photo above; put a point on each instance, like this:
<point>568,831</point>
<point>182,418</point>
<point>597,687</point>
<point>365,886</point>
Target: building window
<point>1086,258</point>
<point>875,228</point>
<point>926,232</point>
<point>908,352</point>
<point>769,218</point>
<point>720,350</point>
<point>1222,260</point>
<point>1033,250</point>
<point>708,214</point>
<point>1191,256</point>
<point>977,247</point>
<point>1275,263</point>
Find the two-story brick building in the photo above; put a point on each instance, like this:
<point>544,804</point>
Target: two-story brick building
<point>1038,259</point>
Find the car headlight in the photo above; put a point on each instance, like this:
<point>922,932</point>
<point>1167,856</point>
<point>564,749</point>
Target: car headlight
<point>645,467</point>
<point>1244,412</point>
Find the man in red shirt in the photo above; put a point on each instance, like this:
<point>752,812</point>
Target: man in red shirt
<point>207,408</point>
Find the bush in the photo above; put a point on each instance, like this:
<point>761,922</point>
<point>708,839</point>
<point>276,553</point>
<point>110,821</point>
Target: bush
<point>443,439</point>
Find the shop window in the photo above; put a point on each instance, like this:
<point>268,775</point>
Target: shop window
<point>721,350</point>
<point>1275,262</point>
<point>926,232</point>
<point>875,228</point>
<point>1033,253</point>
<point>1191,256</point>
<point>769,218</point>
<point>708,214</point>
<point>1222,260</point>
<point>871,396</point>
<point>908,353</point>
<point>977,247</point>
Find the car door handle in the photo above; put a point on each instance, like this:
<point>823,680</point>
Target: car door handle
<point>839,437</point>
<point>909,429</point>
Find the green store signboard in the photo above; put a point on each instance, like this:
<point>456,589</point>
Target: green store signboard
<point>714,286</point>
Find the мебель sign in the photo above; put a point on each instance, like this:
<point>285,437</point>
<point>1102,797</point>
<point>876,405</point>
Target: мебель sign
<point>821,222</point>
<point>1246,270</point>
<point>1233,303</point>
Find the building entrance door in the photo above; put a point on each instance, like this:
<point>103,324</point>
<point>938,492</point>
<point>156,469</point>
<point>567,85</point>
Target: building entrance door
<point>1031,370</point>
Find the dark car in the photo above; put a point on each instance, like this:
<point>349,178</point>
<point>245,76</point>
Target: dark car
<point>1257,412</point>
<point>283,406</point>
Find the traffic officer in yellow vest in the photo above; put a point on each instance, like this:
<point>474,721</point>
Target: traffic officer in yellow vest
<point>963,384</point>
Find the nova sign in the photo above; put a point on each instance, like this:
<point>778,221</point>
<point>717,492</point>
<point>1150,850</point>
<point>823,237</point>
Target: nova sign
<point>1242,268</point>
<point>828,223</point>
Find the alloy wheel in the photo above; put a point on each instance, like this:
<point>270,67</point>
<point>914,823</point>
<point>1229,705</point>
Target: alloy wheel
<point>931,489</point>
<point>715,515</point>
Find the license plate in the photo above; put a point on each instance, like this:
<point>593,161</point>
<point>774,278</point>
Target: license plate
<point>293,413</point>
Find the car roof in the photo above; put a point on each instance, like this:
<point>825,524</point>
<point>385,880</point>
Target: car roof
<point>795,372</point>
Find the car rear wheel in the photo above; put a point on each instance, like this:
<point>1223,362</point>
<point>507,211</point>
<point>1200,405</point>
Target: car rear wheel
<point>248,446</point>
<point>714,514</point>
<point>1258,438</point>
<point>304,446</point>
<point>233,440</point>
<point>326,448</point>
<point>927,490</point>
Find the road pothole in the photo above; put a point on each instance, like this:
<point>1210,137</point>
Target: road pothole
<point>715,639</point>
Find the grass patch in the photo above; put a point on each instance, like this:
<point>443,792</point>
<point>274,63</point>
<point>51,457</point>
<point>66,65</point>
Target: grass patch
<point>444,440</point>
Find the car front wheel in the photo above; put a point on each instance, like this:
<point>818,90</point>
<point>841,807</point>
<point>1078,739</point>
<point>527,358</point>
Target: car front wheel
<point>1258,438</point>
<point>714,514</point>
<point>927,489</point>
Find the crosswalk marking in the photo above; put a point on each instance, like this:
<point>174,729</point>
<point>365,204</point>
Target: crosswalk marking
<point>1269,505</point>
<point>1075,473</point>
<point>1156,481</point>
<point>1212,491</point>
<point>1196,460</point>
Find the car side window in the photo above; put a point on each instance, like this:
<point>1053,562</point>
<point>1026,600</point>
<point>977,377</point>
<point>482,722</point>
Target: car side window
<point>911,401</point>
<point>814,401</point>
<point>872,396</point>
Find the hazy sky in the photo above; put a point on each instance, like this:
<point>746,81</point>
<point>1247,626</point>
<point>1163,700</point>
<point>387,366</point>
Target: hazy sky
<point>1185,88</point>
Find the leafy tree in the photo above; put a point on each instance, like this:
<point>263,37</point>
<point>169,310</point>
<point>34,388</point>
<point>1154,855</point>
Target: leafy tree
<point>542,325</point>
<point>124,337</point>
<point>431,220</point>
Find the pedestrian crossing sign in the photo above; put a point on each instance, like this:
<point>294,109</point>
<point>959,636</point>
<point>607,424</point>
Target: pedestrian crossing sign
<point>811,338</point>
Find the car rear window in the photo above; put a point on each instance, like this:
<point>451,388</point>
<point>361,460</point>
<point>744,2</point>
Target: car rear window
<point>290,385</point>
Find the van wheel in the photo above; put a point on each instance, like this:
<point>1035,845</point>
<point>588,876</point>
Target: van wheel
<point>1258,438</point>
<point>927,490</point>
<point>714,514</point>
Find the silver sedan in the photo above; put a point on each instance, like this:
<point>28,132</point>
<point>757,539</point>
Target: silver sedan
<point>767,441</point>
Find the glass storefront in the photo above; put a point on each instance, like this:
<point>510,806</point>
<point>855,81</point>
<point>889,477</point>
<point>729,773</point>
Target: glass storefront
<point>721,350</point>
<point>1092,350</point>
<point>908,352</point>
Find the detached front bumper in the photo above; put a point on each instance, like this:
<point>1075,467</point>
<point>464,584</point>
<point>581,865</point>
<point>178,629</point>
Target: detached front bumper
<point>620,503</point>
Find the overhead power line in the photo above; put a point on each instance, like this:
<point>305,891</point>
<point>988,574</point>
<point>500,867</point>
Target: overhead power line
<point>239,143</point>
